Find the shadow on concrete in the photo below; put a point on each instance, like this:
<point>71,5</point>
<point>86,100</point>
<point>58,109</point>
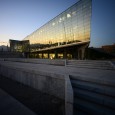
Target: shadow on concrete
<point>40,103</point>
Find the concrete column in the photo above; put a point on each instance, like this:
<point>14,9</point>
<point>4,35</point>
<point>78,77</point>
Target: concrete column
<point>48,55</point>
<point>33,55</point>
<point>56,54</point>
<point>83,53</point>
<point>65,54</point>
<point>42,55</point>
<point>75,54</point>
<point>79,54</point>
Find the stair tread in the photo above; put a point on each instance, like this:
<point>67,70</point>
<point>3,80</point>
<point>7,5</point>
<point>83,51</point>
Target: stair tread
<point>91,108</point>
<point>90,64</point>
<point>95,87</point>
<point>92,67</point>
<point>99,80</point>
<point>95,97</point>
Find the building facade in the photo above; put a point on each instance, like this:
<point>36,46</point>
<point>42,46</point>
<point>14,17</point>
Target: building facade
<point>65,36</point>
<point>19,46</point>
<point>3,46</point>
<point>109,48</point>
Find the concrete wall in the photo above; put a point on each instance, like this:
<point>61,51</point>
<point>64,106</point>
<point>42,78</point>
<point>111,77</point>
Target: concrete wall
<point>54,84</point>
<point>38,61</point>
<point>68,96</point>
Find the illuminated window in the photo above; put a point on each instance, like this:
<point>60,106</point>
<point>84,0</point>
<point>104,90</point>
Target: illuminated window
<point>53,24</point>
<point>68,15</point>
<point>60,20</point>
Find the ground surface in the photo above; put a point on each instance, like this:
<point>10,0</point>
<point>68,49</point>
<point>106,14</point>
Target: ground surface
<point>44,104</point>
<point>40,103</point>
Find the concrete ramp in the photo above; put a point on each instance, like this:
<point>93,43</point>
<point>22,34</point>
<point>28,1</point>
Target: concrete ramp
<point>10,106</point>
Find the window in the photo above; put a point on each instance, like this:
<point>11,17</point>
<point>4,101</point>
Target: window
<point>68,15</point>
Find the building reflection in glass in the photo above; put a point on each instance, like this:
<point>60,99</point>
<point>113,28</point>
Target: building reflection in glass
<point>70,27</point>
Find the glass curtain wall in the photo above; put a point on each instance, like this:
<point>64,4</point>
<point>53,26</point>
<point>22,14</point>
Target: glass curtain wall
<point>19,46</point>
<point>70,27</point>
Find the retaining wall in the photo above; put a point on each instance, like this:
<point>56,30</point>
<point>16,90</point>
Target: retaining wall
<point>54,84</point>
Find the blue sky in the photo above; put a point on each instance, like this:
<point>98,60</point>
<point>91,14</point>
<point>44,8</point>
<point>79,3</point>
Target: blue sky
<point>19,18</point>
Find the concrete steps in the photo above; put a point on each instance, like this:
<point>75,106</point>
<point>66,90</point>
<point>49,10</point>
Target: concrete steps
<point>91,108</point>
<point>93,97</point>
<point>91,64</point>
<point>93,87</point>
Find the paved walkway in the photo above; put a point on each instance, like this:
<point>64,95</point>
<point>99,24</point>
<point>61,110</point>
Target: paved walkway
<point>10,106</point>
<point>106,75</point>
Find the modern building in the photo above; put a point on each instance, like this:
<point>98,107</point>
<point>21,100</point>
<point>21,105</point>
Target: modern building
<point>65,36</point>
<point>109,48</point>
<point>19,46</point>
<point>3,46</point>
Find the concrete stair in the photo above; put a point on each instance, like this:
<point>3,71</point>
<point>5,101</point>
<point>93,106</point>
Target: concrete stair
<point>93,97</point>
<point>93,64</point>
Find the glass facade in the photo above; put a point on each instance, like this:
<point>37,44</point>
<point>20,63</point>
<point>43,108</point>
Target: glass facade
<point>70,27</point>
<point>19,46</point>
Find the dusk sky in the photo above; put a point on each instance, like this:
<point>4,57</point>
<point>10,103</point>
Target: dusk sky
<point>19,18</point>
